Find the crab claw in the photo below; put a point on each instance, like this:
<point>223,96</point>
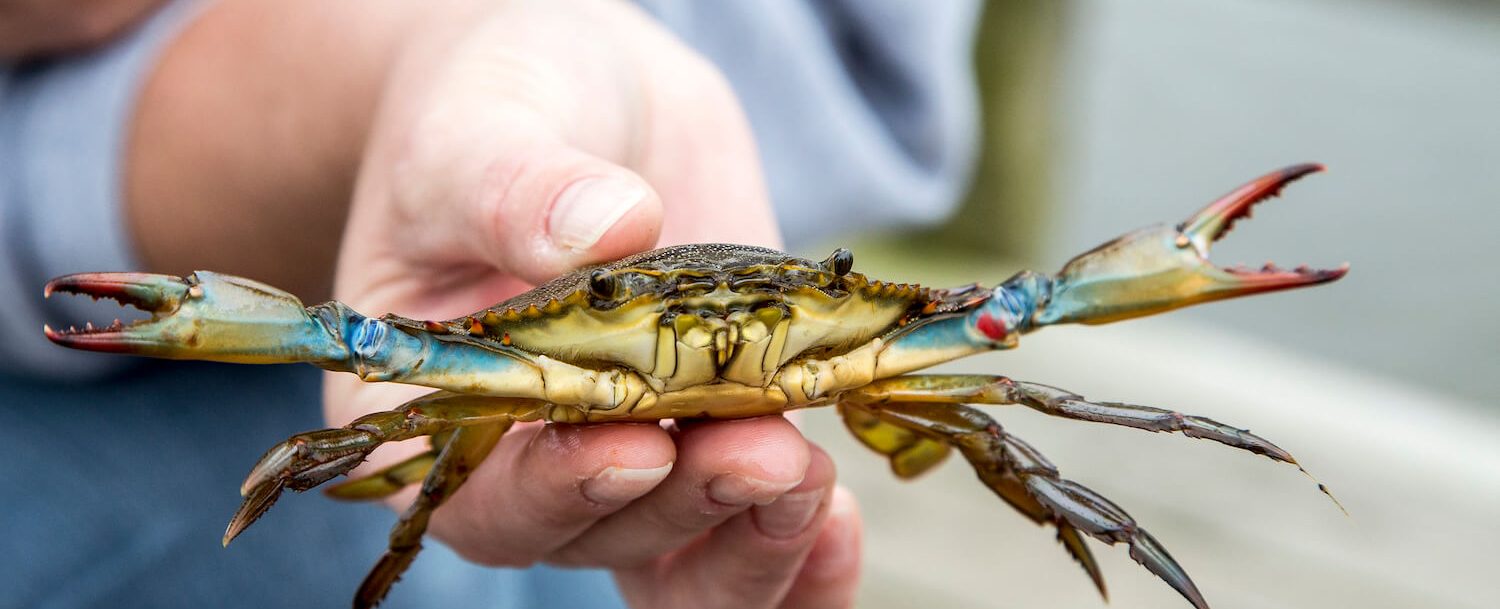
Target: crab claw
<point>1163,267</point>
<point>205,316</point>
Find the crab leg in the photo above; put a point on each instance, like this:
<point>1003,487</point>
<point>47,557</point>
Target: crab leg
<point>467,447</point>
<point>309,459</point>
<point>913,453</point>
<point>1024,478</point>
<point>986,389</point>
<point>391,479</point>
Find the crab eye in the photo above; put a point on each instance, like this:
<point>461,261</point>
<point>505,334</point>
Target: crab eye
<point>841,261</point>
<point>603,284</point>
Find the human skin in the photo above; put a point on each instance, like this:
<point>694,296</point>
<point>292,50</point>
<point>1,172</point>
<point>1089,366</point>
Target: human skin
<point>481,148</point>
<point>32,28</point>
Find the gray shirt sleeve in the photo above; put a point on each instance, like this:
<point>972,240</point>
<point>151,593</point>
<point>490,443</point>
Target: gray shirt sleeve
<point>865,114</point>
<point>62,131</point>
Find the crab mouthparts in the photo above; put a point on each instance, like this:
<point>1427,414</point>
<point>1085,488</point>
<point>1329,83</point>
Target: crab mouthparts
<point>151,293</point>
<point>1214,221</point>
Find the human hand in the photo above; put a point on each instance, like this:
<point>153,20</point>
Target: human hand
<point>516,142</point>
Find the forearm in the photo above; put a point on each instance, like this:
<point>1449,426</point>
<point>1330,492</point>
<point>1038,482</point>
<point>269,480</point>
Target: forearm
<point>248,134</point>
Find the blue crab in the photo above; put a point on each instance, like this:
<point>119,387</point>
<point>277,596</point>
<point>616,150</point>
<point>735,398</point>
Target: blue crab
<point>709,331</point>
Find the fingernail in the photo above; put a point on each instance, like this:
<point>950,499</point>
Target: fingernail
<point>788,515</point>
<point>734,489</point>
<point>587,209</point>
<point>617,485</point>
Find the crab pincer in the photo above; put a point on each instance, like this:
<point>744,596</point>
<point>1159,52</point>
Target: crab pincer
<point>204,316</point>
<point>1165,267</point>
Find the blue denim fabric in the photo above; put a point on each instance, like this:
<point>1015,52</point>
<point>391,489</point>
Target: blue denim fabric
<point>114,494</point>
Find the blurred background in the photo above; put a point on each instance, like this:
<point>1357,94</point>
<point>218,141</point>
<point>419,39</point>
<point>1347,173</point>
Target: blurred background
<point>1106,116</point>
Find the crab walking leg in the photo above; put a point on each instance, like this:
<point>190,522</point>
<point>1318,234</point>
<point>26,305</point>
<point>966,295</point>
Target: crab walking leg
<point>463,452</point>
<point>386,482</point>
<point>390,479</point>
<point>987,389</point>
<point>911,453</point>
<point>914,452</point>
<point>1024,478</point>
<point>309,459</point>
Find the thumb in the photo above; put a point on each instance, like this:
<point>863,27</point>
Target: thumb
<point>559,208</point>
<point>470,180</point>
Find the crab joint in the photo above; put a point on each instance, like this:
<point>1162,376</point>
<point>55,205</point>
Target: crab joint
<point>1001,319</point>
<point>607,390</point>
<point>811,380</point>
<point>382,353</point>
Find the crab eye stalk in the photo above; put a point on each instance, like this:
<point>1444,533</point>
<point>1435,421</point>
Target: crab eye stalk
<point>840,262</point>
<point>604,285</point>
